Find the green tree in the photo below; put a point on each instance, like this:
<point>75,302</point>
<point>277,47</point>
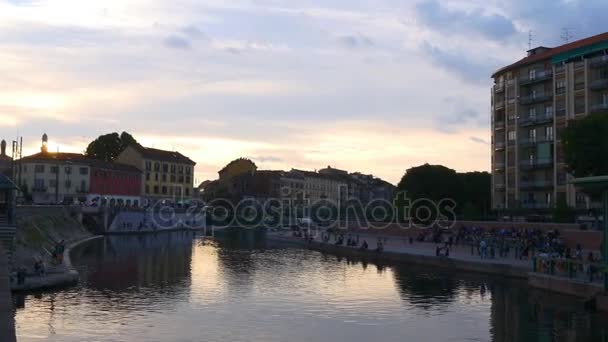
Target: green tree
<point>108,146</point>
<point>562,213</point>
<point>586,146</point>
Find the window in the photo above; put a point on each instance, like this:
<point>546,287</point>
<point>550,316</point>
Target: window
<point>532,135</point>
<point>164,190</point>
<point>165,167</point>
<point>147,176</point>
<point>172,178</point>
<point>188,179</point>
<point>181,179</point>
<point>68,170</point>
<point>579,104</point>
<point>68,184</point>
<point>532,112</point>
<point>53,183</point>
<point>549,132</point>
<point>605,98</point>
<point>173,168</point>
<point>187,192</point>
<point>187,170</point>
<point>511,135</point>
<point>156,177</point>
<point>549,111</point>
<point>39,184</point>
<point>180,169</point>
<point>164,177</point>
<point>39,168</point>
<point>156,189</point>
<point>532,74</point>
<point>157,166</point>
<point>561,84</point>
<point>83,185</point>
<point>148,166</point>
<point>84,171</point>
<point>147,189</point>
<point>54,169</point>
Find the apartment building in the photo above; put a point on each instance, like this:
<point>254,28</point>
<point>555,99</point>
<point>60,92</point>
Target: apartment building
<point>533,100</point>
<point>167,175</point>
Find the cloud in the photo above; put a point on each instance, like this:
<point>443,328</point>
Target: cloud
<point>466,66</point>
<point>355,41</point>
<point>176,42</point>
<point>476,21</point>
<point>269,159</point>
<point>479,141</point>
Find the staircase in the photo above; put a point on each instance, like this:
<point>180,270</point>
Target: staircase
<point>7,235</point>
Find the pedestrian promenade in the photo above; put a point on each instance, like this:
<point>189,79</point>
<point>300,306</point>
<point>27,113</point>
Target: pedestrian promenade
<point>7,323</point>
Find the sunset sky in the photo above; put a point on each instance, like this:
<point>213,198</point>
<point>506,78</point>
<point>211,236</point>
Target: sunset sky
<point>371,86</point>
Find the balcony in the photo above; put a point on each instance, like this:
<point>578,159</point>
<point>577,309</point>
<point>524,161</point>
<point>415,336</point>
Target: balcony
<point>598,107</point>
<point>499,87</point>
<point>499,166</point>
<point>524,142</point>
<point>536,163</point>
<point>560,112</point>
<point>499,145</point>
<point>536,205</point>
<point>599,84</point>
<point>536,184</point>
<point>500,186</point>
<point>538,77</point>
<point>499,105</point>
<point>537,119</point>
<point>535,98</point>
<point>599,62</point>
<point>499,125</point>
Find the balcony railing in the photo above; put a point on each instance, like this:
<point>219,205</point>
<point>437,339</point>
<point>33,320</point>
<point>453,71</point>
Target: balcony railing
<point>534,98</point>
<point>499,186</point>
<point>537,119</point>
<point>537,184</point>
<point>536,205</point>
<point>599,62</point>
<point>499,166</point>
<point>499,145</point>
<point>536,163</point>
<point>499,87</point>
<point>599,84</point>
<point>539,77</point>
<point>533,141</point>
<point>499,105</point>
<point>598,107</point>
<point>560,112</point>
<point>499,125</point>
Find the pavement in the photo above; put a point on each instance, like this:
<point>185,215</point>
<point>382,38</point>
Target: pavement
<point>402,245</point>
<point>7,318</point>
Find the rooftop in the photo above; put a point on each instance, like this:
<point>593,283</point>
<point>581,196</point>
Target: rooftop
<point>542,53</point>
<point>156,154</point>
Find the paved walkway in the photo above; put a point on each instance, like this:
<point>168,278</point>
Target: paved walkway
<point>7,322</point>
<point>402,245</point>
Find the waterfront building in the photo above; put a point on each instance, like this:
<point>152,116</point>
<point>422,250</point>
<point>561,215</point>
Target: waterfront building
<point>114,184</point>
<point>533,100</point>
<point>167,175</point>
<point>322,186</point>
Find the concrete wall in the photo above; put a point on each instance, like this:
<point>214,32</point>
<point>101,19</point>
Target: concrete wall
<point>7,322</point>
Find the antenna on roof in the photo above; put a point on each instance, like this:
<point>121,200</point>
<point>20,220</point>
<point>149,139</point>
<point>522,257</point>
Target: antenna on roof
<point>566,35</point>
<point>530,39</point>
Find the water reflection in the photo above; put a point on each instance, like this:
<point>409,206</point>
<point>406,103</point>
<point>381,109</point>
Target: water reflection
<point>181,287</point>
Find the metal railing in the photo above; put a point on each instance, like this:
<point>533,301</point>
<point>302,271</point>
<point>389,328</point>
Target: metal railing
<point>599,84</point>
<point>499,145</point>
<point>533,141</point>
<point>537,119</point>
<point>499,87</point>
<point>536,163</point>
<point>539,97</point>
<point>573,269</point>
<point>536,183</point>
<point>538,77</point>
<point>499,105</point>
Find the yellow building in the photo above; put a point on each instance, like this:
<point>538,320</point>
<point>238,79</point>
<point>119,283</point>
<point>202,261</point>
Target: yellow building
<point>167,175</point>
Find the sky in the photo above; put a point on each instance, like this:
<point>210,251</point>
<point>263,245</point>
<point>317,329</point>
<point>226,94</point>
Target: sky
<point>376,86</point>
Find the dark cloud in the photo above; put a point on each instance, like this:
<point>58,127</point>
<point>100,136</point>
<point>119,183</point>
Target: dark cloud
<point>492,26</point>
<point>176,42</point>
<point>461,64</point>
<point>355,41</point>
<point>479,140</point>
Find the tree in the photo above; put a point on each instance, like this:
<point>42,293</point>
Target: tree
<point>476,191</point>
<point>586,146</point>
<point>562,213</point>
<point>108,146</point>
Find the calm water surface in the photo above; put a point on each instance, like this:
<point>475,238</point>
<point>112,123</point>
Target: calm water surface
<point>183,287</point>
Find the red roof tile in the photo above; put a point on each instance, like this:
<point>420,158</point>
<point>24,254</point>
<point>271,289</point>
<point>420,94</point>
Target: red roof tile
<point>554,51</point>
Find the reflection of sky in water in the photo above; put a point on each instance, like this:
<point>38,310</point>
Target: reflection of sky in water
<point>171,288</point>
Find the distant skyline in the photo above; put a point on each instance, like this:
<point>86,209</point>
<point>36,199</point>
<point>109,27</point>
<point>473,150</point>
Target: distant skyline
<point>369,86</point>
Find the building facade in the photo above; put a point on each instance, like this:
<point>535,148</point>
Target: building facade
<point>113,183</point>
<point>533,100</point>
<point>167,175</point>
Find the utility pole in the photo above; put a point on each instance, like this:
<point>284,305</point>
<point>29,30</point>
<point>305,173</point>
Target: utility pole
<point>57,178</point>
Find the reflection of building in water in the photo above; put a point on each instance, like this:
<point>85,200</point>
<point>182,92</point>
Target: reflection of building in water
<point>425,289</point>
<point>159,260</point>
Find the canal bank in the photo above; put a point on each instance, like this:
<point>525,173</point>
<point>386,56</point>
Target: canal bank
<point>7,323</point>
<point>423,254</point>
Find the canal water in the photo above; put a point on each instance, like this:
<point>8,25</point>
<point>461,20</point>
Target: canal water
<point>239,287</point>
